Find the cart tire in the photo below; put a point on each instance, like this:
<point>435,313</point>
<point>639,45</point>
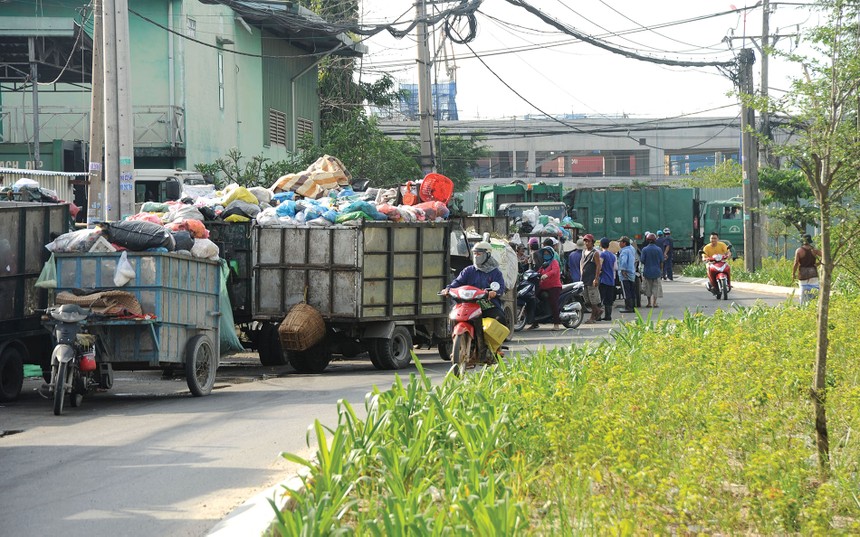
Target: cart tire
<point>444,348</point>
<point>269,346</point>
<point>313,360</point>
<point>11,374</point>
<point>395,352</point>
<point>60,388</point>
<point>201,363</point>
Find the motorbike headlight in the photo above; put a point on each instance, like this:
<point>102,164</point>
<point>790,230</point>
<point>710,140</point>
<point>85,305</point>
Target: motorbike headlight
<point>467,294</point>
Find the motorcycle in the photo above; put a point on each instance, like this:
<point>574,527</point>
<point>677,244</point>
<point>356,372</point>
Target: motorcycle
<point>720,269</point>
<point>570,302</point>
<point>73,361</point>
<point>466,349</point>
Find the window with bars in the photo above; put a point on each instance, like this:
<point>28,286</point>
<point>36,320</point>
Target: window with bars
<point>277,127</point>
<point>304,127</point>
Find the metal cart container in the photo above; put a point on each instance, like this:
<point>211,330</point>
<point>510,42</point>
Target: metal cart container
<point>376,286</point>
<point>25,229</point>
<point>181,296</point>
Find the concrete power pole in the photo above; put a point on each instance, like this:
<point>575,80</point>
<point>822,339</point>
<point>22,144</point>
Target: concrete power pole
<point>119,133</point>
<point>425,100</point>
<point>749,162</point>
<point>765,116</point>
<point>96,190</point>
<point>34,78</point>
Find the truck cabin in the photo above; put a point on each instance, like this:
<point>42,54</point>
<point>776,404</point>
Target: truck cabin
<point>163,185</point>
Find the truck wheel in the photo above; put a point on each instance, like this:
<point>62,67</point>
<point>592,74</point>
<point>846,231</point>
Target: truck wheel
<point>511,318</point>
<point>11,374</point>
<point>313,360</point>
<point>395,352</point>
<point>201,363</point>
<point>269,346</point>
<point>444,348</point>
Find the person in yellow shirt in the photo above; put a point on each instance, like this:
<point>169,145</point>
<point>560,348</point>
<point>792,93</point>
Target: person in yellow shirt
<point>716,246</point>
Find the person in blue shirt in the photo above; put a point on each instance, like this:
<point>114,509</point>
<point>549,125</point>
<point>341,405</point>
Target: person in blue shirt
<point>651,260</point>
<point>627,273</point>
<point>668,250</point>
<point>607,278</point>
<point>573,261</point>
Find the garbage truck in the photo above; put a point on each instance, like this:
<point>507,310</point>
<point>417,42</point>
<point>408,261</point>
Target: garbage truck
<point>25,229</point>
<point>374,284</point>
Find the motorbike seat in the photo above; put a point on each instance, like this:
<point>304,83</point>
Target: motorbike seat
<point>566,287</point>
<point>70,313</point>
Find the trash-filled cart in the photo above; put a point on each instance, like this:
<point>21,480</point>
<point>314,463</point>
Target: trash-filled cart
<point>369,287</point>
<point>166,317</point>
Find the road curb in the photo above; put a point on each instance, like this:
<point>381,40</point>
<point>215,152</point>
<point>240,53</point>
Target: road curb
<point>788,292</point>
<point>256,515</point>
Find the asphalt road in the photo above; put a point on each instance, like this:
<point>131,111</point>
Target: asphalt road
<point>146,458</point>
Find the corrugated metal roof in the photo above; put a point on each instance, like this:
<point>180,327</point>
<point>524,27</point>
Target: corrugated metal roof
<point>296,24</point>
<point>37,173</point>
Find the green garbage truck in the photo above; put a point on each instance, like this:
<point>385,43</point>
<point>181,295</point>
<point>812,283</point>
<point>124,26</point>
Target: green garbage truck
<point>613,212</point>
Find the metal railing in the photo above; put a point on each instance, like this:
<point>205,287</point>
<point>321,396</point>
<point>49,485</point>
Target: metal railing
<point>154,126</point>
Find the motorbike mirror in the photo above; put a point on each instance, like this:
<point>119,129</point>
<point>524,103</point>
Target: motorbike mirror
<point>495,286</point>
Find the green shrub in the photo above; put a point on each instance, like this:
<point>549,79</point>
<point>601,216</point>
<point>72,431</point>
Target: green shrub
<point>700,425</point>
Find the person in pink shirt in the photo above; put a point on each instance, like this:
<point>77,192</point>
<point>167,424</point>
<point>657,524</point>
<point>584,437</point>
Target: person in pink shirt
<point>550,281</point>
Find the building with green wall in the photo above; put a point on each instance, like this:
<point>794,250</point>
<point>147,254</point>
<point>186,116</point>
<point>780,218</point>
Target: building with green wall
<point>206,76</point>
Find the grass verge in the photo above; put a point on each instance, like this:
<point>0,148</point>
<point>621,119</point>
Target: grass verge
<point>698,425</point>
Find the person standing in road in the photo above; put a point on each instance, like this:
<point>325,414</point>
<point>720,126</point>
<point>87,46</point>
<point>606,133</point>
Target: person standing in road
<point>589,266</point>
<point>550,282</point>
<point>669,251</point>
<point>607,278</point>
<point>805,269</point>
<point>573,261</point>
<point>627,273</point>
<point>652,270</point>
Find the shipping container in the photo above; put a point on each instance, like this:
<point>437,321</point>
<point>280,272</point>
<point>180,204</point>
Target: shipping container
<point>25,229</point>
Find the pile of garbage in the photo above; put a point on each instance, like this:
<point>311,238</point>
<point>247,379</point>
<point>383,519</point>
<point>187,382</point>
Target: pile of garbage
<point>320,196</point>
<point>535,223</point>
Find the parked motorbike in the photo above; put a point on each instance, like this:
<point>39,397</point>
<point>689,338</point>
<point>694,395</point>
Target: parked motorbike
<point>73,362</point>
<point>719,267</point>
<point>570,302</point>
<point>466,349</point>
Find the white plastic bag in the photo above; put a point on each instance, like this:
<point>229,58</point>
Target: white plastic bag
<point>124,270</point>
<point>205,249</point>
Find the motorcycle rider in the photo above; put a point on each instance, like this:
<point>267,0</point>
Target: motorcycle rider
<point>483,271</point>
<point>716,246</point>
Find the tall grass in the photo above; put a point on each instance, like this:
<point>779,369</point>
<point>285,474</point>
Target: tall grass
<point>696,425</point>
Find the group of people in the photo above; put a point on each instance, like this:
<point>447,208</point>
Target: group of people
<point>598,269</point>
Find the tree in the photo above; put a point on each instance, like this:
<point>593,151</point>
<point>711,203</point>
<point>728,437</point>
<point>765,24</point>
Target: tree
<point>726,174</point>
<point>788,198</point>
<point>365,151</point>
<point>456,156</point>
<point>821,109</point>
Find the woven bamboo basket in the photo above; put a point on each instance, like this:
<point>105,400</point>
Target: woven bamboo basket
<point>302,328</point>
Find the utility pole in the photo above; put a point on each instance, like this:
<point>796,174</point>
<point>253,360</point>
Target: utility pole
<point>34,78</point>
<point>765,115</point>
<point>425,101</point>
<point>96,190</point>
<point>119,149</point>
<point>749,162</point>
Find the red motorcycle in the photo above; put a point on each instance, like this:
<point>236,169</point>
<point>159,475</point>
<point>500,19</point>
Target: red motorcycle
<point>466,348</point>
<point>719,269</point>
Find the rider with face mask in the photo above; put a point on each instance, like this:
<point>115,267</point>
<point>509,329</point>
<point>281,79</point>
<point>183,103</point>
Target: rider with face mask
<point>483,271</point>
